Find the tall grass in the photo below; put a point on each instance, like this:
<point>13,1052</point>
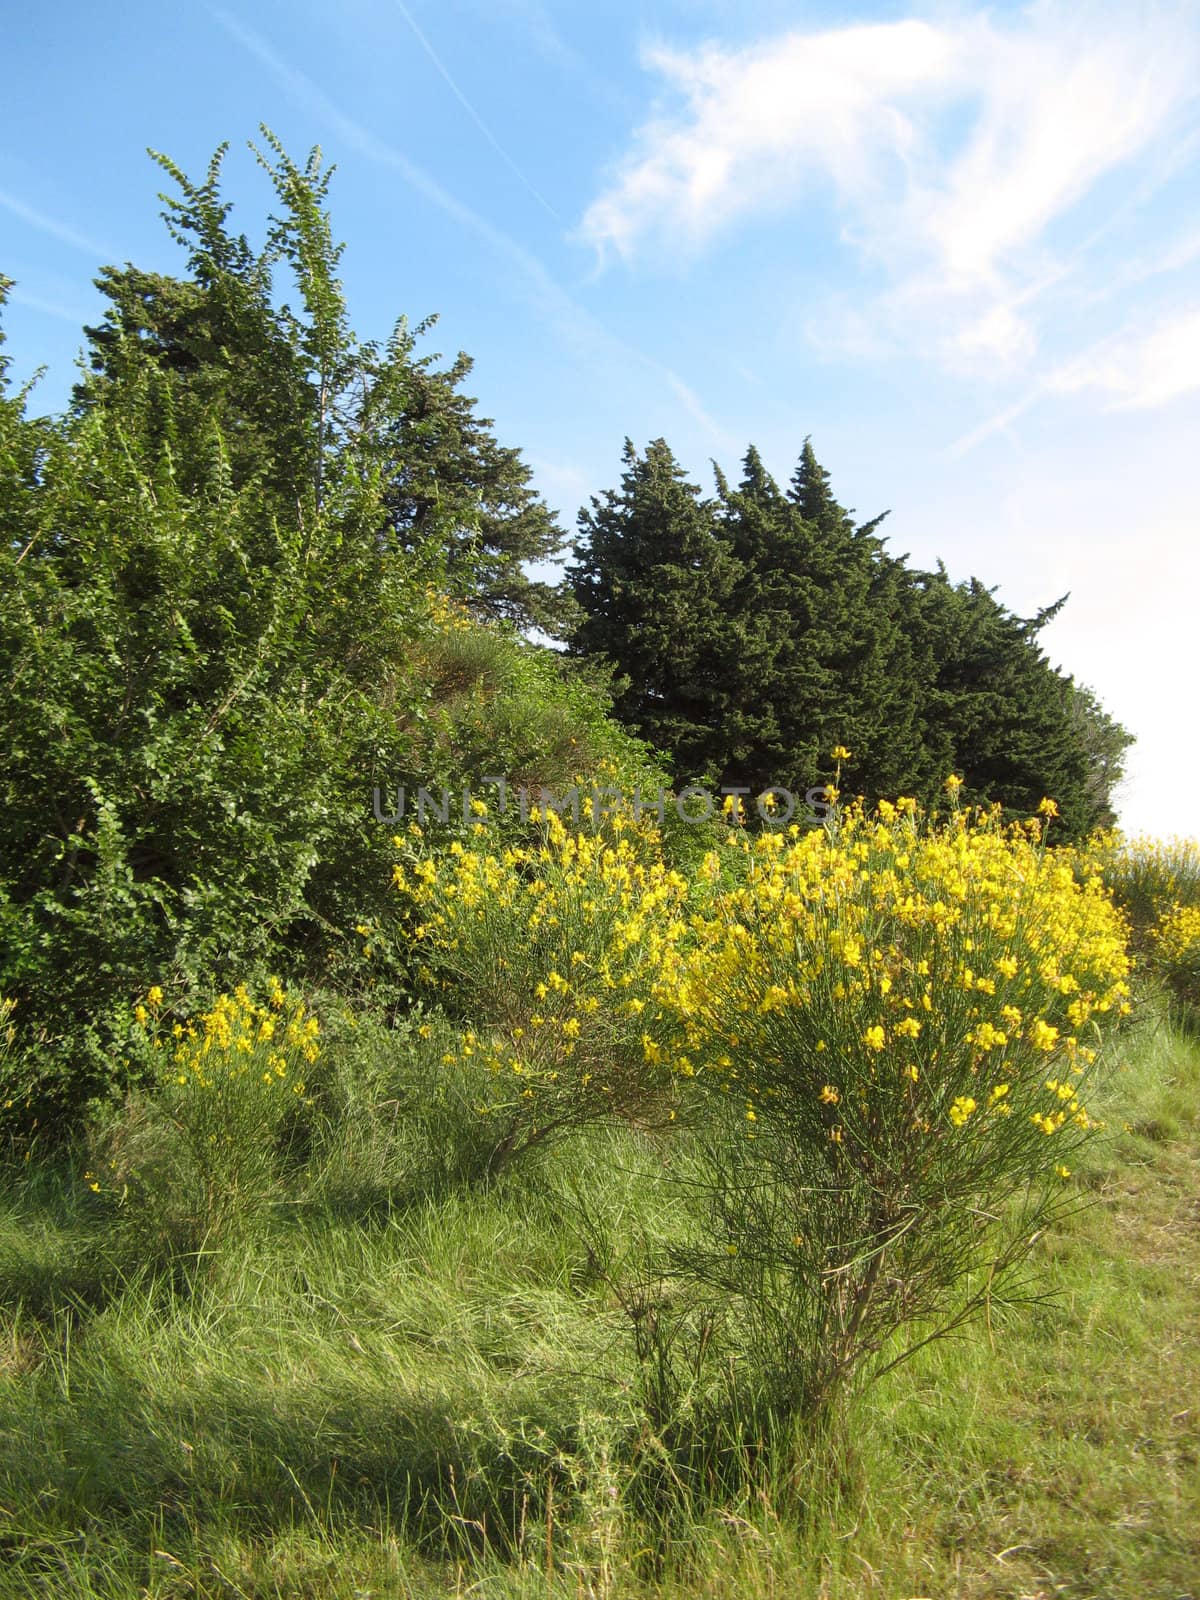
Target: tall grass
<point>401,1387</point>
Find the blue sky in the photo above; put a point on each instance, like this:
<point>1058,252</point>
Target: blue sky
<point>959,246</point>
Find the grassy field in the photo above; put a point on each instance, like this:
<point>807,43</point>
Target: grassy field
<point>434,1395</point>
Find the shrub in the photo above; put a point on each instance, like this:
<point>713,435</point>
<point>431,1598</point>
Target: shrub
<point>895,1014</point>
<point>200,1154</point>
<point>219,631</point>
<point>551,951</point>
<point>1175,947</point>
<point>1148,877</point>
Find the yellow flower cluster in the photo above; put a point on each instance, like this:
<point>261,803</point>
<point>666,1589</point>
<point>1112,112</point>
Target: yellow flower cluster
<point>446,614</point>
<point>1176,951</point>
<point>1148,877</point>
<point>890,977</point>
<point>905,975</point>
<point>1177,936</point>
<point>236,1039</point>
<point>557,946</point>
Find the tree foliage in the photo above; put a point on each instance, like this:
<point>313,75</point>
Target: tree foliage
<point>288,387</point>
<point>759,629</point>
<point>215,643</point>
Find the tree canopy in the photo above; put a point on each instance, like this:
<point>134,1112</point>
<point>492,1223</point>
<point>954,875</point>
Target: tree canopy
<point>223,621</point>
<point>757,630</point>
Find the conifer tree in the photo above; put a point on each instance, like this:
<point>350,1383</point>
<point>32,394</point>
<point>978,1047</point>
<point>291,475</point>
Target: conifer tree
<point>812,495</point>
<point>785,695</point>
<point>456,485</point>
<point>653,584</point>
<point>824,638</point>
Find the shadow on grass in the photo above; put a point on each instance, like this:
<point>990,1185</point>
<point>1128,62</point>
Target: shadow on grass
<point>261,1458</point>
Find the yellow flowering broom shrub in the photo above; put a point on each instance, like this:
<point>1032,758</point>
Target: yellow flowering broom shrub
<point>901,1019</point>
<point>1175,947</point>
<point>1157,884</point>
<point>1148,877</point>
<point>201,1154</point>
<point>895,1021</point>
<point>553,950</point>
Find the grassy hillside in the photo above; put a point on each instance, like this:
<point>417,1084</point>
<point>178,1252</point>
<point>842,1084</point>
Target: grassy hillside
<point>411,1387</point>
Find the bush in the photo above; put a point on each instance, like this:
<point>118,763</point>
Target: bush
<point>550,951</point>
<point>1148,877</point>
<point>215,642</point>
<point>895,1015</point>
<point>199,1156</point>
<point>1175,947</point>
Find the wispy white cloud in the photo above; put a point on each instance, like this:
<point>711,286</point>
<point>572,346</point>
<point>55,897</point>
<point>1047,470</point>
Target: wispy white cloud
<point>1046,106</point>
<point>692,404</point>
<point>537,25</point>
<point>998,423</point>
<point>1138,369</point>
<point>955,150</point>
<point>48,308</point>
<point>757,123</point>
<point>575,323</point>
<point>1171,257</point>
<point>51,225</point>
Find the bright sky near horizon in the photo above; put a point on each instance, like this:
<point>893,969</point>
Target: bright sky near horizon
<point>959,246</point>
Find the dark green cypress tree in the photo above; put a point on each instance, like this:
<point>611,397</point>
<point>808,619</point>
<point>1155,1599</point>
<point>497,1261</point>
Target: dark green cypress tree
<point>858,636</point>
<point>783,691</point>
<point>1013,726</point>
<point>653,583</point>
<point>811,494</point>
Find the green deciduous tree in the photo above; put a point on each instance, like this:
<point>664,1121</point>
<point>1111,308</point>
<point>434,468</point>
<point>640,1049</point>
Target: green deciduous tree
<point>287,388</point>
<point>214,645</point>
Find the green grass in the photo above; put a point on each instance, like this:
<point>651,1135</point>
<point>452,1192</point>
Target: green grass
<point>433,1395</point>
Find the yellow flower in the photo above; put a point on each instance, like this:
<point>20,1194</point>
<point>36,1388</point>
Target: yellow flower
<point>1047,808</point>
<point>987,1037</point>
<point>953,784</point>
<point>1044,1036</point>
<point>840,753</point>
<point>829,1095</point>
<point>875,1038</point>
<point>155,995</point>
<point>962,1108</point>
